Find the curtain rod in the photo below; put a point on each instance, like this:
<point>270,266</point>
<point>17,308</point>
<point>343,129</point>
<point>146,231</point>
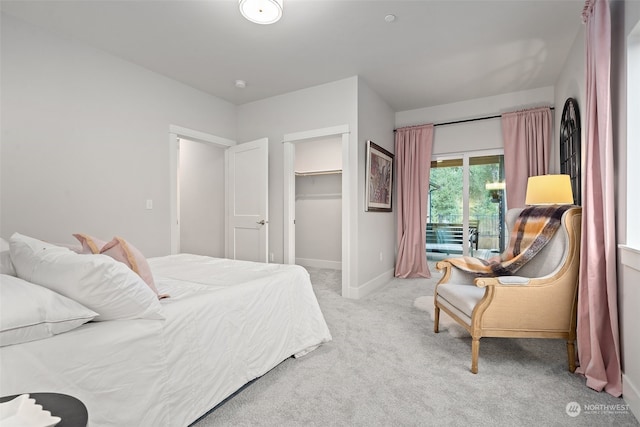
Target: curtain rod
<point>471,120</point>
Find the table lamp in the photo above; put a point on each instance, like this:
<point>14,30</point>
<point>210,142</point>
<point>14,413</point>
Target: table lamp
<point>549,190</point>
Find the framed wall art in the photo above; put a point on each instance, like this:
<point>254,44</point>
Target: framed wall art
<point>379,179</point>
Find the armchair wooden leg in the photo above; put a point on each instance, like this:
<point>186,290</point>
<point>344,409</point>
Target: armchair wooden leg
<point>475,349</point>
<point>436,319</point>
<point>571,353</point>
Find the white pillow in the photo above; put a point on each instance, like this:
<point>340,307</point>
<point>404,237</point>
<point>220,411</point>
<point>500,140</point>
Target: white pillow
<point>29,312</point>
<point>6,266</point>
<point>98,282</point>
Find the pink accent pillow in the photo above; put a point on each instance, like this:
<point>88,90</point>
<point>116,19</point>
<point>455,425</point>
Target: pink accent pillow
<point>90,245</point>
<point>123,251</point>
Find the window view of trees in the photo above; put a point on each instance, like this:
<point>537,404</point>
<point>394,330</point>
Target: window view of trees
<point>445,192</point>
<point>485,206</point>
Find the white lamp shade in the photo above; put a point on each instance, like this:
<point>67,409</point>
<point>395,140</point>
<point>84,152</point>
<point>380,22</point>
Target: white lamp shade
<point>549,190</point>
<point>261,11</point>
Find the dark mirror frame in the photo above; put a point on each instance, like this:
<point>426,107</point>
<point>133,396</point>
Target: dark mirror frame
<point>570,142</point>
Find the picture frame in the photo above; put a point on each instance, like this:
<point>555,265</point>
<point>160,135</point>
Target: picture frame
<point>379,182</point>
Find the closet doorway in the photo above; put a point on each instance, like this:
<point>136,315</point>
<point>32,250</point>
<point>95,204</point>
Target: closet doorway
<point>318,203</point>
<point>316,198</point>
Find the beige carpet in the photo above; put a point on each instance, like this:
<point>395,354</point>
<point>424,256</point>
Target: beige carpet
<point>386,367</point>
<point>425,303</point>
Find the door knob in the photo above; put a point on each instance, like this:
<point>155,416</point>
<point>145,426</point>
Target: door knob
<point>263,222</point>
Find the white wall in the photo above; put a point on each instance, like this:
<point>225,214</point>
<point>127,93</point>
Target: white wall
<point>319,220</point>
<point>477,135</point>
<point>202,188</point>
<point>376,246</point>
<point>479,107</point>
<point>318,155</point>
<point>85,144</point>
<point>570,84</point>
<point>625,25</point>
<point>345,102</point>
<point>631,155</point>
<point>328,105</point>
<point>85,140</point>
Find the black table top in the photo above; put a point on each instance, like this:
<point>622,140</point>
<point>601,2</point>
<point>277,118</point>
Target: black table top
<point>72,411</point>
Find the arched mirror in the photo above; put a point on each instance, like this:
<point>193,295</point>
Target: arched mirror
<point>570,146</point>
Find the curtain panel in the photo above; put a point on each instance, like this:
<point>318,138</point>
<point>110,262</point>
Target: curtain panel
<point>414,146</point>
<point>597,327</point>
<point>527,145</point>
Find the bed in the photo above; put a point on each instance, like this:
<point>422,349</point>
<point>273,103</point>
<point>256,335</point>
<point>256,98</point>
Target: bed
<point>225,323</point>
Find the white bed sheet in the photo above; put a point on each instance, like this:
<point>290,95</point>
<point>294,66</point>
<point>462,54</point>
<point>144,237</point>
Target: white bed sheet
<point>244,318</point>
<point>116,368</point>
<point>227,323</point>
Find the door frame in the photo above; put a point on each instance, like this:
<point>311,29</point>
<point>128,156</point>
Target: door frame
<point>175,134</point>
<point>289,142</point>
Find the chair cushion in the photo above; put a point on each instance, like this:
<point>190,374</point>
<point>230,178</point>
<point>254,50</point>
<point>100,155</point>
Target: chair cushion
<point>462,297</point>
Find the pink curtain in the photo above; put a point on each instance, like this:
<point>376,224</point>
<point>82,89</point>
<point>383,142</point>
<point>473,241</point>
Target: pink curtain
<point>527,142</point>
<point>413,160</point>
<point>597,328</point>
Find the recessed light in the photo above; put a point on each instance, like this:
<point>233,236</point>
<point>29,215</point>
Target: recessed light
<point>261,11</point>
<point>241,84</point>
<point>390,18</point>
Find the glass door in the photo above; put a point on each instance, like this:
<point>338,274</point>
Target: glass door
<point>465,212</point>
<point>487,203</point>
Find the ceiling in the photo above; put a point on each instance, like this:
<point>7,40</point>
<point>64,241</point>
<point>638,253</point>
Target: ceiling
<point>434,53</point>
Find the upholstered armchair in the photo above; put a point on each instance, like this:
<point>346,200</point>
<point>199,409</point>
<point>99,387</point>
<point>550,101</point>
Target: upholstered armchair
<point>540,302</point>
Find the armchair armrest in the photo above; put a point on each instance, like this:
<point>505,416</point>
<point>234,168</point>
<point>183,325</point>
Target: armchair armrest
<point>501,280</point>
<point>514,280</point>
<point>483,282</point>
<point>453,274</point>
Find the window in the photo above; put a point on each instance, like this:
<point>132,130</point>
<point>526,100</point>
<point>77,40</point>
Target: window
<point>465,212</point>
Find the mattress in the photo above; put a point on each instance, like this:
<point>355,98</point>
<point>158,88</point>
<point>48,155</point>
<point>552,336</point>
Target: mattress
<point>227,323</point>
<point>230,322</point>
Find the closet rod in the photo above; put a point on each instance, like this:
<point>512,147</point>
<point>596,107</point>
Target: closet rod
<point>471,120</point>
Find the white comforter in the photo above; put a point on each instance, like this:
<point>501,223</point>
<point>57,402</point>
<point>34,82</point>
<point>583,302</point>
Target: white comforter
<point>227,322</point>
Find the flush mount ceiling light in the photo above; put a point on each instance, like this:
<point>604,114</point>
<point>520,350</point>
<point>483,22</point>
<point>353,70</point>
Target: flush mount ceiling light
<point>261,11</point>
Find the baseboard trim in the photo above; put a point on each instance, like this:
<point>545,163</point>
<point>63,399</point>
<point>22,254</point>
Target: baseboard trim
<point>319,263</point>
<point>372,285</point>
<point>631,396</point>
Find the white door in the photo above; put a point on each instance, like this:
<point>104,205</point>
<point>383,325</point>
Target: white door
<point>247,225</point>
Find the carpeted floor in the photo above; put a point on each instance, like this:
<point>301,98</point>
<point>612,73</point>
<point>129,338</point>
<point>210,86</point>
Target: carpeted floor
<point>386,367</point>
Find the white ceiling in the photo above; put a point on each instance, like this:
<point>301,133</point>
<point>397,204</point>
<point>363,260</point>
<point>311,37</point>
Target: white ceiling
<point>436,52</point>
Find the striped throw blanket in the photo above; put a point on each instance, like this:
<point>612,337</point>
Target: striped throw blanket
<point>533,229</point>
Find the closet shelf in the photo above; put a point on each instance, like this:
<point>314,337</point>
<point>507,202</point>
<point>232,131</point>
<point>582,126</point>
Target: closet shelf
<point>312,173</point>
